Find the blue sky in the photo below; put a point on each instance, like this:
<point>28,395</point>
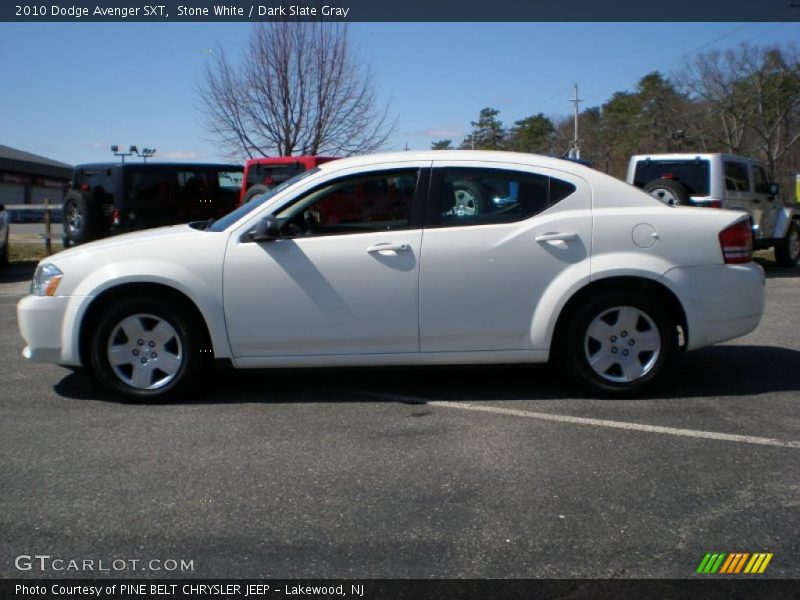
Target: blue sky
<point>70,90</point>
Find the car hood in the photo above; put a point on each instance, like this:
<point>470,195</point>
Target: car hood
<point>148,236</point>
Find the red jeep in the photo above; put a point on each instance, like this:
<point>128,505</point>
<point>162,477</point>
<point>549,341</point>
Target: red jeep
<point>262,174</point>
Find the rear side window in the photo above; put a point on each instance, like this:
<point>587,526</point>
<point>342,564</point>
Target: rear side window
<point>736,177</point>
<point>692,174</point>
<point>229,180</point>
<point>151,184</point>
<point>470,196</point>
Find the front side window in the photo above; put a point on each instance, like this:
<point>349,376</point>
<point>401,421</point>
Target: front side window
<point>375,202</point>
<point>485,196</point>
<point>736,177</point>
<point>760,183</point>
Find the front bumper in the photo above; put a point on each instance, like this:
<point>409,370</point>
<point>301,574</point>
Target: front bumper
<point>721,302</point>
<point>41,323</point>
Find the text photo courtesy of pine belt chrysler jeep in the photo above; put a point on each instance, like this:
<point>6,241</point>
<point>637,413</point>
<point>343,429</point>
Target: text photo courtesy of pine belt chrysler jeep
<point>723,181</point>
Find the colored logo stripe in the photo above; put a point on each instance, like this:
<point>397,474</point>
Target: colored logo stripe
<point>711,563</point>
<point>734,563</point>
<point>758,563</point>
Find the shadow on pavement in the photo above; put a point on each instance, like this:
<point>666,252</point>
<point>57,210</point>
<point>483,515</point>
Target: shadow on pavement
<point>18,271</point>
<point>773,271</point>
<point>711,372</point>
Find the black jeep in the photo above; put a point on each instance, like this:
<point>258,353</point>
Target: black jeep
<point>109,198</point>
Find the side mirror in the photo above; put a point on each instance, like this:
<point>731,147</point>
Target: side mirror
<point>2,207</point>
<point>267,230</point>
<point>774,188</point>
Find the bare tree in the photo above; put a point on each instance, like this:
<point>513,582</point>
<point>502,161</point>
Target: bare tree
<point>299,88</point>
<point>751,100</point>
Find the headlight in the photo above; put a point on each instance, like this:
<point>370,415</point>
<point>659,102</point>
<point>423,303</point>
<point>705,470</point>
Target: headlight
<point>46,280</point>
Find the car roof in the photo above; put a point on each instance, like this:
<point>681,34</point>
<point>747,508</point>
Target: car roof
<point>497,156</point>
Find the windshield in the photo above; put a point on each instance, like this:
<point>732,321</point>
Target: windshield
<point>245,209</point>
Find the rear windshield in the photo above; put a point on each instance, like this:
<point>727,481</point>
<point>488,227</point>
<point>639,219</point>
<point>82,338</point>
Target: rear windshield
<point>98,183</point>
<point>272,175</point>
<point>693,174</point>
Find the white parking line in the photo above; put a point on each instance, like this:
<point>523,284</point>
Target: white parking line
<point>708,435</point>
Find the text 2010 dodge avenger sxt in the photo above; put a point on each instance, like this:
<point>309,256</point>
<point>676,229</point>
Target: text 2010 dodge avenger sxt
<point>399,259</point>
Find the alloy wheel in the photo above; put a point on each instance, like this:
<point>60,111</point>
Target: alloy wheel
<point>622,344</point>
<point>145,351</point>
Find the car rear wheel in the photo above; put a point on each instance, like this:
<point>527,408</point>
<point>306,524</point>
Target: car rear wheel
<point>619,343</point>
<point>787,252</point>
<point>148,349</point>
<point>83,218</point>
<point>668,191</point>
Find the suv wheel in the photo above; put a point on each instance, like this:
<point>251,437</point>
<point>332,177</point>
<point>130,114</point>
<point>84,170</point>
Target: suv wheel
<point>619,343</point>
<point>83,218</point>
<point>668,191</point>
<point>4,252</point>
<point>787,251</point>
<point>147,349</point>
<point>254,191</point>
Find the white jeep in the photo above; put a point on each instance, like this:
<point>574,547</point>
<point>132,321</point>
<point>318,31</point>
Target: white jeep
<point>723,181</point>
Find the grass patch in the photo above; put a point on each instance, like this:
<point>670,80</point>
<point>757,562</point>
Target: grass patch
<point>26,252</point>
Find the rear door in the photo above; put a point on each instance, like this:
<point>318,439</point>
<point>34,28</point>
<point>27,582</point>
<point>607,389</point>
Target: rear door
<point>495,239</point>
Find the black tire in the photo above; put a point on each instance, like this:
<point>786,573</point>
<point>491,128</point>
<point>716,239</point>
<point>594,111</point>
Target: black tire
<point>579,343</point>
<point>83,218</point>
<point>184,347</point>
<point>668,191</point>
<point>254,191</point>
<point>4,253</point>
<point>787,251</point>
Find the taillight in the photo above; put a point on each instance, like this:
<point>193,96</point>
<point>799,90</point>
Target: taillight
<point>709,203</point>
<point>116,218</point>
<point>85,187</point>
<point>736,243</point>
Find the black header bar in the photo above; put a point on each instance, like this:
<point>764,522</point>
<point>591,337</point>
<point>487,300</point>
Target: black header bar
<point>400,10</point>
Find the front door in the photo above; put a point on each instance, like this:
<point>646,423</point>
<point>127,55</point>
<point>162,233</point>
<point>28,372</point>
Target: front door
<point>343,279</point>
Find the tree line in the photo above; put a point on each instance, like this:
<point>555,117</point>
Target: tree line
<point>300,88</point>
<point>743,101</point>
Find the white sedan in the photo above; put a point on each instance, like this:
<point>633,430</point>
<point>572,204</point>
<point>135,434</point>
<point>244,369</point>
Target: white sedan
<point>452,257</point>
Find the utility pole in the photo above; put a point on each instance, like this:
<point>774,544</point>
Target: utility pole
<point>575,151</point>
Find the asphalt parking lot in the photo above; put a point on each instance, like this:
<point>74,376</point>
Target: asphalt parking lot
<point>491,472</point>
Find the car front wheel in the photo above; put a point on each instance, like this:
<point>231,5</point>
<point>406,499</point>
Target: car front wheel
<point>619,343</point>
<point>147,349</point>
<point>787,252</point>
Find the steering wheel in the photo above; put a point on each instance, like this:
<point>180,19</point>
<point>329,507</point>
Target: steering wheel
<point>308,225</point>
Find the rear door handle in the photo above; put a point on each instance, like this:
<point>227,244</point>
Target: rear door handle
<point>388,249</point>
<point>556,237</point>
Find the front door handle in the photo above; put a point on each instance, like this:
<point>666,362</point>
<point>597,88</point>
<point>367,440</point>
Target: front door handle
<point>557,237</point>
<point>388,249</point>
